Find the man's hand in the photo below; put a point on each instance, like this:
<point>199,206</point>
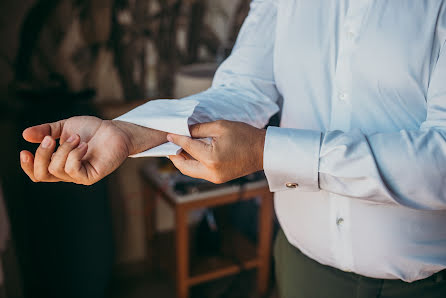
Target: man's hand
<point>90,148</point>
<point>236,150</point>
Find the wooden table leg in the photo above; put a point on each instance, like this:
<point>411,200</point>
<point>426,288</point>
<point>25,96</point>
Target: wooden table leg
<point>265,226</point>
<point>149,214</point>
<point>182,252</point>
<point>149,211</point>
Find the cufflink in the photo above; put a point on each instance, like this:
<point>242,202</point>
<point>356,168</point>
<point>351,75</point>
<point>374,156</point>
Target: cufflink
<point>291,185</point>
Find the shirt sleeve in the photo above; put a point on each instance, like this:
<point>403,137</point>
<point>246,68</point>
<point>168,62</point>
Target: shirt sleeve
<point>243,88</point>
<point>404,168</point>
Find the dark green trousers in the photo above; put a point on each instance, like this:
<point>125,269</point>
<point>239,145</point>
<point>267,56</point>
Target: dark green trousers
<point>301,277</point>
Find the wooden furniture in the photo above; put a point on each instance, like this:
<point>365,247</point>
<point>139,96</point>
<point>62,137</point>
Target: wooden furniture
<point>192,272</point>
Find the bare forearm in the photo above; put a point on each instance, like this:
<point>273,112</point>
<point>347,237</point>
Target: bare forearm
<point>140,138</point>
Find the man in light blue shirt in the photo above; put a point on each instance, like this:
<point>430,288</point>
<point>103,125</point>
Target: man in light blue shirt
<point>358,163</point>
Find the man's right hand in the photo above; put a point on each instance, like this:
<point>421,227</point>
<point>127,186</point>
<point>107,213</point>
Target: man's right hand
<point>90,148</point>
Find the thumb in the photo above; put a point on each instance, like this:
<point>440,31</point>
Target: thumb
<point>196,148</point>
<point>35,134</point>
<point>188,167</point>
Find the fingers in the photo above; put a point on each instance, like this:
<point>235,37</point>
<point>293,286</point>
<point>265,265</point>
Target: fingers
<point>59,158</point>
<point>74,166</point>
<point>36,134</point>
<point>27,164</point>
<point>63,165</point>
<point>196,148</point>
<point>43,159</point>
<point>189,167</point>
<point>205,130</point>
<point>185,155</point>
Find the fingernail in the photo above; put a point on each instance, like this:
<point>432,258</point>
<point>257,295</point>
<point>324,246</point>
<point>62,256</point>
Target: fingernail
<point>71,139</point>
<point>24,157</point>
<point>169,138</point>
<point>81,145</point>
<point>46,142</point>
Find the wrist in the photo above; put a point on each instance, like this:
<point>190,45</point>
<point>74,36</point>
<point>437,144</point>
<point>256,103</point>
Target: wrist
<point>260,148</point>
<point>139,138</point>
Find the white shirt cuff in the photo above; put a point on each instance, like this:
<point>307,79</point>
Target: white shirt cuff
<point>291,159</point>
<point>165,115</point>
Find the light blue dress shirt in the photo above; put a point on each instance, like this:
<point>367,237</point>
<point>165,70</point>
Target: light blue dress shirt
<point>363,129</point>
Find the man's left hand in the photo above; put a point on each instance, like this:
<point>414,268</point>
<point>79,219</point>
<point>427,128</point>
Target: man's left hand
<point>235,150</point>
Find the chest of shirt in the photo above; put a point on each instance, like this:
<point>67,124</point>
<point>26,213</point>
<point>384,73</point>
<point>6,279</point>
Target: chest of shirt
<point>376,57</point>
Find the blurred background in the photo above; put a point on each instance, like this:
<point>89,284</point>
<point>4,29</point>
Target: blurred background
<point>60,58</point>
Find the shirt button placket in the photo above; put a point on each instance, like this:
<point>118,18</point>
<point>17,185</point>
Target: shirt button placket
<point>341,117</point>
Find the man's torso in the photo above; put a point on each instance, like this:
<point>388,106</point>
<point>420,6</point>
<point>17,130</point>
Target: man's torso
<point>343,65</point>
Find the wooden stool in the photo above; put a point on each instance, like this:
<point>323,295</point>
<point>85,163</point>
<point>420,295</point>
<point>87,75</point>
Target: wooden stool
<point>188,274</point>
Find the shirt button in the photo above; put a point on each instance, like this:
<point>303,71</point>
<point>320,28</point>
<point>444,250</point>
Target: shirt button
<point>291,185</point>
<point>343,96</point>
<point>350,34</point>
<point>339,221</point>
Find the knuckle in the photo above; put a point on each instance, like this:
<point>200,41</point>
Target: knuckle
<point>53,169</point>
<point>217,179</point>
<point>70,170</point>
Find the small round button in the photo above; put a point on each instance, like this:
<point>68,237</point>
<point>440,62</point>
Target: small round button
<point>343,96</point>
<point>292,185</point>
<point>350,34</point>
